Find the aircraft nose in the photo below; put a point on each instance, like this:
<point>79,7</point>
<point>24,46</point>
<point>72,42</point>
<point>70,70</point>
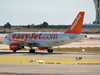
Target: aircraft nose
<point>4,41</point>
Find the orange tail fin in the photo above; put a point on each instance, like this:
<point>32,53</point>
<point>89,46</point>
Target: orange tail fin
<point>76,26</point>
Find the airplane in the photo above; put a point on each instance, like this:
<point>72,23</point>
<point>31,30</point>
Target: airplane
<point>45,40</point>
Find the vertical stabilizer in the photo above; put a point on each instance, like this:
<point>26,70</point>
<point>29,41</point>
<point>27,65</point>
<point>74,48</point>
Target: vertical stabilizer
<point>76,26</point>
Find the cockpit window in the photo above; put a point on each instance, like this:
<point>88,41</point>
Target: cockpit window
<point>6,37</point>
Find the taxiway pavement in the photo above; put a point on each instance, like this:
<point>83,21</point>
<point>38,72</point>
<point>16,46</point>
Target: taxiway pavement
<point>54,54</point>
<point>61,69</point>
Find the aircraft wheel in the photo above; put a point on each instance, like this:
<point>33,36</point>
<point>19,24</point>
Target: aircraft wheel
<point>32,51</point>
<point>14,51</point>
<point>50,50</point>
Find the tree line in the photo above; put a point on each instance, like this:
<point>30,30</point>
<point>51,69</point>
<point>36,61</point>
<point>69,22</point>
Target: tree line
<point>46,25</point>
<point>43,25</point>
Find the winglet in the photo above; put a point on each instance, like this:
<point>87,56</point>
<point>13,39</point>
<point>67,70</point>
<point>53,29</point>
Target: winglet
<point>76,26</point>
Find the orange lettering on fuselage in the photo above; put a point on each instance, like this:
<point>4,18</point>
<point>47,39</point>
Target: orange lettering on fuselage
<point>41,36</point>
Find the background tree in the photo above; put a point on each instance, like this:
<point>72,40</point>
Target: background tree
<point>45,25</point>
<point>41,25</point>
<point>28,26</point>
<point>7,25</point>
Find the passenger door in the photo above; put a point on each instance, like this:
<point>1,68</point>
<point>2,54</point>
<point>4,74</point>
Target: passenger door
<point>62,38</point>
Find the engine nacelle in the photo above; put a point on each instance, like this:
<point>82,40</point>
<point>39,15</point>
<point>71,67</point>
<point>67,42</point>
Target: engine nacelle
<point>16,46</point>
<point>42,48</point>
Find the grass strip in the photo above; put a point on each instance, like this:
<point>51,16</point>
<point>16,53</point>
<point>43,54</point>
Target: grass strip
<point>88,49</point>
<point>16,59</point>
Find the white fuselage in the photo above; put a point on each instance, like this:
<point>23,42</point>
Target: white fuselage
<point>44,39</point>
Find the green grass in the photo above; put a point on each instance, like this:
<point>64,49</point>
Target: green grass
<point>16,59</point>
<point>88,50</point>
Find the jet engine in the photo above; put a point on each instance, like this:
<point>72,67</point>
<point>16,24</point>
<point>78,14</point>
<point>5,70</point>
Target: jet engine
<point>16,46</point>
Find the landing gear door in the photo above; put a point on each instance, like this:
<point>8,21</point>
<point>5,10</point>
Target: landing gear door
<point>62,38</point>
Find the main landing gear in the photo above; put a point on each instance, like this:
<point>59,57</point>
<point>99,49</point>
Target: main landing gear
<point>14,51</point>
<point>32,51</point>
<point>50,50</point>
